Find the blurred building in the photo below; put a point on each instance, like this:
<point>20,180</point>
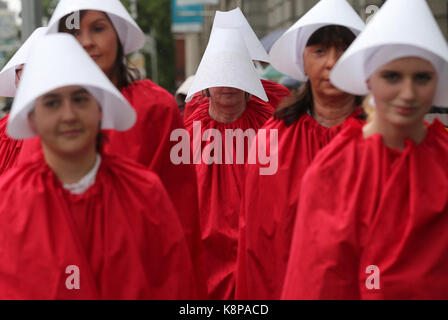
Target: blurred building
<point>8,33</point>
<point>266,17</point>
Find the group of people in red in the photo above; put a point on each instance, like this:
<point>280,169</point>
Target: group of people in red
<point>94,207</point>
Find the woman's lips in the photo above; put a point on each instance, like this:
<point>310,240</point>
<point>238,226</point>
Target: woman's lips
<point>70,133</point>
<point>404,110</point>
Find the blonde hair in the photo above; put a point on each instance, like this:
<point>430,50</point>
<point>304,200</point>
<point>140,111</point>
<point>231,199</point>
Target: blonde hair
<point>369,109</point>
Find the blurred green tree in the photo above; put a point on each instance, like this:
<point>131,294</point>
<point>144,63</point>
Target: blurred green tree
<point>154,16</point>
<point>48,8</point>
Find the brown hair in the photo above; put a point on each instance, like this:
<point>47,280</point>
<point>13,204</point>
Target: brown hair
<point>329,36</point>
<point>126,73</point>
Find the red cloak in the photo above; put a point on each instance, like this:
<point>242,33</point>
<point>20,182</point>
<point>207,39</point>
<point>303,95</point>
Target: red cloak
<point>371,215</point>
<point>9,148</point>
<point>148,143</point>
<point>275,92</point>
<point>122,234</point>
<point>219,197</point>
<point>267,217</point>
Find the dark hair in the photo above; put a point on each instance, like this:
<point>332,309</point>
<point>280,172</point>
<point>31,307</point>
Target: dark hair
<point>329,36</point>
<point>126,74</point>
<point>100,139</point>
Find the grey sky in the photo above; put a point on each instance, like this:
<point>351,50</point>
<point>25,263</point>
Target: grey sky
<point>14,5</point>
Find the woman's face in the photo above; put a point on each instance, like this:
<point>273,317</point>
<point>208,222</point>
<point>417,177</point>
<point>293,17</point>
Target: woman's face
<point>67,120</point>
<point>318,61</point>
<point>98,37</point>
<point>404,91</point>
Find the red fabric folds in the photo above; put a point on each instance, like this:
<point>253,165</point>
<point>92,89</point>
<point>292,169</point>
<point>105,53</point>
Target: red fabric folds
<point>365,205</point>
<point>269,206</point>
<point>275,92</point>
<point>9,148</point>
<point>122,233</point>
<point>220,192</point>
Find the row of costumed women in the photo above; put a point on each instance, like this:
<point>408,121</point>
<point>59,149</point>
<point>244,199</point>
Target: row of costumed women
<point>337,191</point>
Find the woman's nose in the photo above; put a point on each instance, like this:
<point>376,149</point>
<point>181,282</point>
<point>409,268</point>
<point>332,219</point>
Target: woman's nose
<point>68,113</point>
<point>407,90</point>
<point>85,40</point>
<point>332,57</point>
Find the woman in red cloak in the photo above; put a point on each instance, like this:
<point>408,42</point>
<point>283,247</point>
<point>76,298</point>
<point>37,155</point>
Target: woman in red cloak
<point>77,223</point>
<point>374,204</point>
<point>108,33</point>
<point>304,124</point>
<point>227,77</point>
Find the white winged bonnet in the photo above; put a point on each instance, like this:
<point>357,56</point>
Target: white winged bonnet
<point>59,61</point>
<point>130,34</point>
<point>286,54</point>
<point>227,63</point>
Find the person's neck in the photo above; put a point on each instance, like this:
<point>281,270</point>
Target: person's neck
<point>70,168</point>
<point>226,114</point>
<point>331,111</point>
<point>394,136</point>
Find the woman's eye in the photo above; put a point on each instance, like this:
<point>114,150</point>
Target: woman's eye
<point>391,77</point>
<point>98,28</point>
<point>51,104</point>
<point>80,99</point>
<point>423,78</point>
<point>319,51</point>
